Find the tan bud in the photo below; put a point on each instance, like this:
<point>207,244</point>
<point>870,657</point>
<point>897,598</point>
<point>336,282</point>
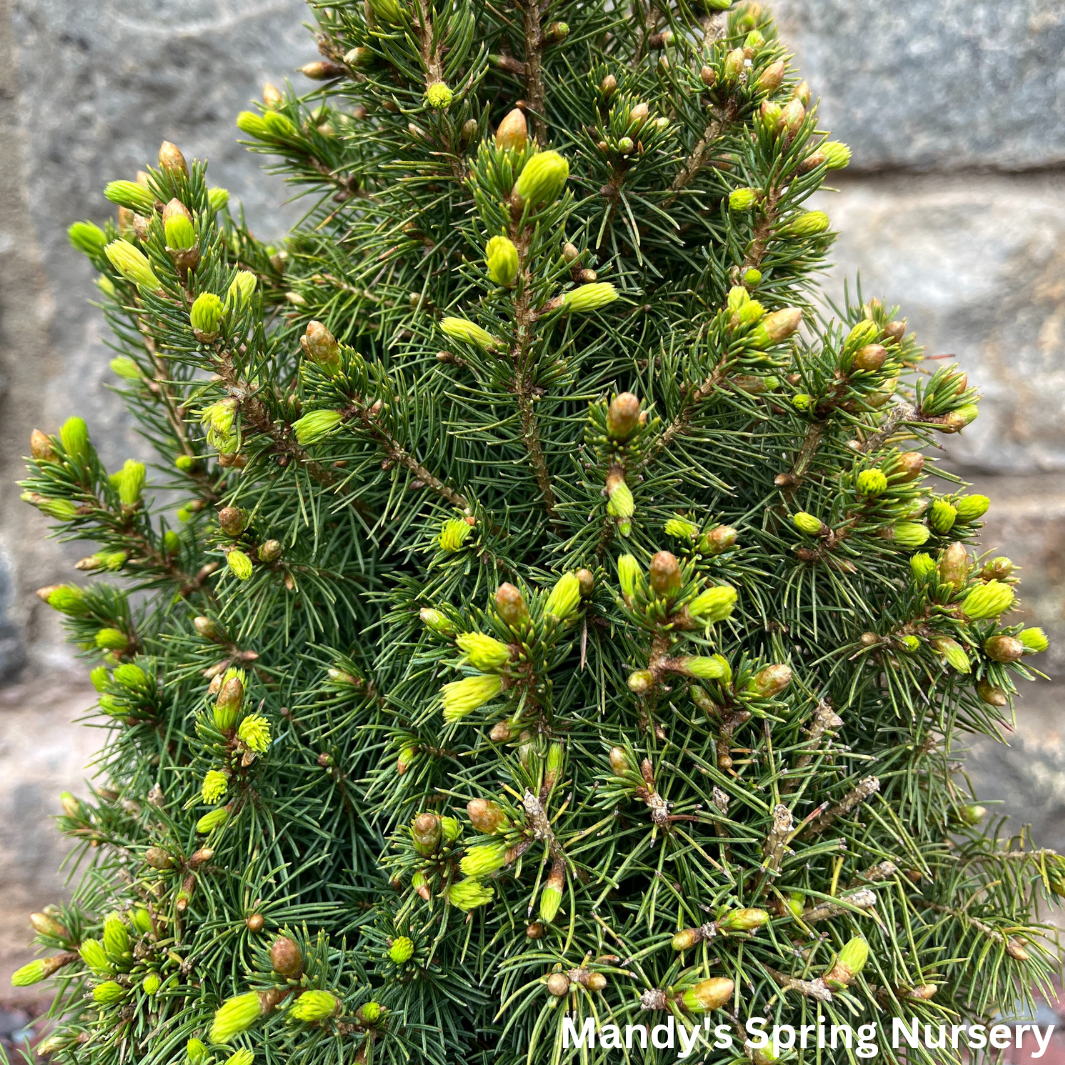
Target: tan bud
<point>665,574</point>
<point>255,921</point>
<point>623,416</point>
<point>558,984</point>
<point>513,131</point>
<point>908,467</point>
<point>170,158</point>
<point>285,957</point>
<point>41,445</point>
<point>871,357</point>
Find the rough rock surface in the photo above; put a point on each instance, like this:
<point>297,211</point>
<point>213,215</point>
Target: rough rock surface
<point>936,84</point>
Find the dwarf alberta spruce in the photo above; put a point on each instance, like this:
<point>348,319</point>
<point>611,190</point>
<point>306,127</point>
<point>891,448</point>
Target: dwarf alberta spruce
<point>550,612</point>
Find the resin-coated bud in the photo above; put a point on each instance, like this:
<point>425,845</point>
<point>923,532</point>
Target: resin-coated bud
<point>586,582</point>
<point>665,575</point>
<point>321,347</point>
<point>770,682</point>
<point>426,834</point>
<point>1003,649</point>
<point>558,984</point>
<point>954,653</point>
<point>708,995</point>
<point>511,607</point>
<point>907,467</point>
<point>954,565</point>
<point>641,682</point>
<point>286,959</point>
<point>513,131</point>
<point>771,78</point>
<point>775,327</point>
<point>871,357</point>
<point>231,520</point>
<point>623,416</point>
<point>487,817</point>
<point>991,694</point>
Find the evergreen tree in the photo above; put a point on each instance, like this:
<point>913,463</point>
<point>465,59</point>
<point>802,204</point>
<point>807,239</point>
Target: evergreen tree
<point>544,610</point>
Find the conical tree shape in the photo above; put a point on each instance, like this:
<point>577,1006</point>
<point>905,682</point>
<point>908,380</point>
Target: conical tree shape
<point>560,620</point>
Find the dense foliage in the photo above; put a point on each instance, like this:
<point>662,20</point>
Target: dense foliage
<point>543,610</point>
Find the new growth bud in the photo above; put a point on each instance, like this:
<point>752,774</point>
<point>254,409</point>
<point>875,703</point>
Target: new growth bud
<point>321,347</point>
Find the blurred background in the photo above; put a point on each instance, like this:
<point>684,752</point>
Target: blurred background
<point>953,207</point>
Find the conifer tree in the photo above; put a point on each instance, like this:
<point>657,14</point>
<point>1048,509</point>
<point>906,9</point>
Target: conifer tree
<point>538,608</point>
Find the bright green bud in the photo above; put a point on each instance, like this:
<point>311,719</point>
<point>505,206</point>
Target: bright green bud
<point>714,604</point>
<point>462,697</point>
<point>438,95</point>
<point>541,179</point>
<point>872,482</point>
<point>802,401</point>
<point>502,258</point>
<point>314,427</point>
<point>106,286</point>
<point>185,463</point>
<point>1034,641</point>
<point>953,652</point>
<point>387,11</point>
<point>439,623</point>
<point>66,598</point>
<point>450,829</point>
<point>970,508</point>
<point>737,298</point>
<point>680,529</point>
<point>487,858</point>
<point>94,956</point>
<point>131,195</point>
<point>483,652</point>
<point>75,438</point>
<point>196,1052</point>
<point>837,154</point>
<point>141,920</point>
<point>454,533</point>
<point>988,601</point>
<point>125,367</point>
<point>252,124</point>
<point>234,1016</point>
<point>87,238</point>
<point>108,993</point>
<point>133,265</point>
<point>151,984</point>
<point>922,566</point>
<point>401,951</point>
<point>206,312</point>
<point>370,1012</point>
<point>468,894</point>
<point>565,597</point>
<point>743,920</point>
<point>971,814</point>
<point>211,820</point>
<point>109,639</point>
<point>628,574</point>
<point>942,516</point>
<point>849,963</point>
<point>551,896</point>
<point>314,1006</point>
<point>178,227</point>
<point>218,198</point>
<point>808,224</point>
<point>99,677</point>
<point>30,974</point>
<point>708,995</point>
<point>910,644</point>
<point>254,733</point>
<point>240,291</point>
<point>807,523</point>
<point>244,1056</point>
<point>468,333</point>
<point>775,327</point>
<point>240,564</point>
<point>116,938</point>
<point>588,298</point>
<point>131,482</point>
<point>641,682</point>
<point>910,535</point>
<point>60,509</point>
<point>621,504</point>
<point>705,667</point>
<point>752,277</point>
<point>861,334</point>
<point>959,418</point>
<point>742,199</point>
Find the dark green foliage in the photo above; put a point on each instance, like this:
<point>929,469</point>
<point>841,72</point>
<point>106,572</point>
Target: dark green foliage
<point>584,637</point>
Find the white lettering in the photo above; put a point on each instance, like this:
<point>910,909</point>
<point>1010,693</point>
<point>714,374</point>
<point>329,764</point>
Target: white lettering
<point>1043,1043</point>
<point>761,1040</point>
<point>569,1031</point>
<point>899,1029</point>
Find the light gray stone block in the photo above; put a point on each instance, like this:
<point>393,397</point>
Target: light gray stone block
<point>978,266</point>
<point>936,84</point>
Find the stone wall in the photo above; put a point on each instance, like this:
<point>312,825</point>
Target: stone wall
<point>954,207</point>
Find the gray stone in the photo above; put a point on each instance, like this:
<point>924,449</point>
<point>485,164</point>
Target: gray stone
<point>99,85</point>
<point>978,267</point>
<point>943,84</point>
